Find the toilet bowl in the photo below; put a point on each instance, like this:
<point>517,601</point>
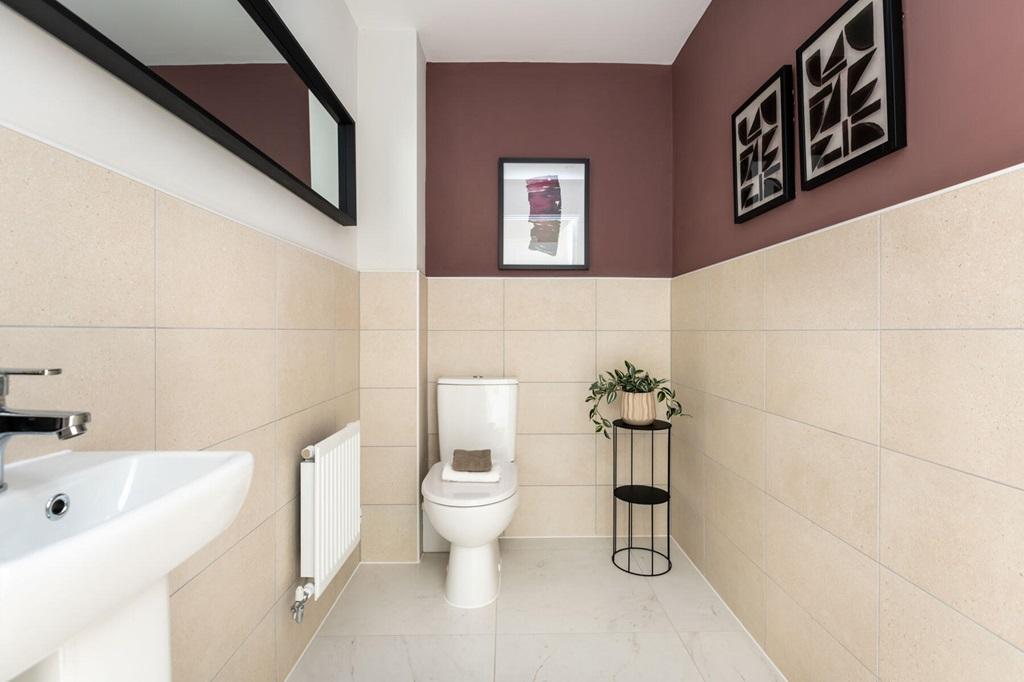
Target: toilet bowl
<point>473,414</point>
<point>471,516</point>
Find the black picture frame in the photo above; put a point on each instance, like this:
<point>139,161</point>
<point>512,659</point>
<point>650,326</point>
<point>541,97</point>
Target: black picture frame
<point>78,34</point>
<point>892,41</point>
<point>585,162</point>
<point>783,81</point>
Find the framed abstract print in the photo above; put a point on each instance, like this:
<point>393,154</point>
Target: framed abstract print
<point>850,93</point>
<point>762,148</point>
<point>542,214</point>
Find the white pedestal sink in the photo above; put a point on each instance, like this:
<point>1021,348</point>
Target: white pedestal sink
<point>83,594</point>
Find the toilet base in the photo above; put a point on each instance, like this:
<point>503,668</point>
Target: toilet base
<point>473,575</point>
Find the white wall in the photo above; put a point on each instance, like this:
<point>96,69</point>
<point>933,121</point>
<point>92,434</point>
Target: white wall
<point>390,143</point>
<point>50,92</point>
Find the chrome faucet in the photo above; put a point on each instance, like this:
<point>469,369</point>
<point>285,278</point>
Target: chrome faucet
<point>33,422</point>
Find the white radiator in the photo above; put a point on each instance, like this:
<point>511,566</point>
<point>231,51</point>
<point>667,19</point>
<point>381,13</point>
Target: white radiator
<point>329,506</point>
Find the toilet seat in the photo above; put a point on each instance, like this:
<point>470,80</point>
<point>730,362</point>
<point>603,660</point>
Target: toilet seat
<point>460,494</point>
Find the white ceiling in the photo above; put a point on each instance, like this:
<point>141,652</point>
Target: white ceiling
<point>616,31</point>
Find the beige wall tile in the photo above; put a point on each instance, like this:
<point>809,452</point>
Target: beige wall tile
<point>957,537</point>
<point>737,579</point>
<point>254,660</point>
<point>293,637</point>
<point>553,408</point>
<point>736,438</point>
<point>211,271</point>
<point>688,474</point>
<point>651,351</point>
<point>305,369</point>
<point>465,353</point>
<point>554,511</point>
<point>77,229</point>
<point>833,582</point>
<point>346,408</point>
<point>690,429</point>
<point>953,398</point>
<point>214,613</point>
<point>688,301</point>
<point>389,532</point>
<point>388,475</point>
<point>689,359</point>
<point>212,385</point>
<point>735,293</point>
<point>641,459</point>
<point>827,280</point>
<point>432,407</point>
<point>736,508</point>
<point>107,372</point>
<point>688,528</point>
<point>346,291</point>
<point>802,649</point>
<point>550,304</point>
<point>388,416</point>
<point>346,366</point>
<point>923,640</point>
<point>952,260</point>
<point>828,379</point>
<point>465,303</point>
<point>555,459</point>
<point>293,433</point>
<point>830,479</point>
<point>388,300</point>
<point>305,289</point>
<point>550,356</point>
<point>736,366</point>
<point>388,359</point>
<point>257,508</point>
<point>286,547</point>
<point>634,304</point>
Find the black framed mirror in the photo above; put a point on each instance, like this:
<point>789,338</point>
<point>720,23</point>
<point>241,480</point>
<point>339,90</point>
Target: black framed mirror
<point>231,69</point>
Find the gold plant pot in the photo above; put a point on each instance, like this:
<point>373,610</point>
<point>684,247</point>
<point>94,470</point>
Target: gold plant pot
<point>638,409</point>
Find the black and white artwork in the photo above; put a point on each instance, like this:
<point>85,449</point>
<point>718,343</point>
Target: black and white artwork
<point>850,91</point>
<point>762,148</point>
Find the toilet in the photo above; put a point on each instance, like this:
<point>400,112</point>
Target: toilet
<point>474,413</point>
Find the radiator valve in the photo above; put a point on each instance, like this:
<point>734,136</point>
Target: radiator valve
<point>302,595</point>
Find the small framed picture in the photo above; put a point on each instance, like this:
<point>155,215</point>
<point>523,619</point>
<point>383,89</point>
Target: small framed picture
<point>850,91</point>
<point>762,148</point>
<point>542,214</point>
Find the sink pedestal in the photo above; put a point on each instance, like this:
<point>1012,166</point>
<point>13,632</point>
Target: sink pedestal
<point>133,643</point>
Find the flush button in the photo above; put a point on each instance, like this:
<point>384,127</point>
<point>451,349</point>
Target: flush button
<point>58,506</point>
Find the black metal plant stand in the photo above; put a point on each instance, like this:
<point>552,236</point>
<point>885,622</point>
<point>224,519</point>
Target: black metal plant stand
<point>635,494</point>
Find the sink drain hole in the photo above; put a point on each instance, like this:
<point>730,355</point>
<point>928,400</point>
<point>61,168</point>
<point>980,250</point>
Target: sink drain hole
<point>58,506</point>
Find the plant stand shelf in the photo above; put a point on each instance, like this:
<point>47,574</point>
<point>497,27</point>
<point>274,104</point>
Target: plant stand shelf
<point>642,495</point>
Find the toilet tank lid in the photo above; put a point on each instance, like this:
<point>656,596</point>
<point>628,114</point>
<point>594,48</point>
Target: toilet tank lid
<point>477,381</point>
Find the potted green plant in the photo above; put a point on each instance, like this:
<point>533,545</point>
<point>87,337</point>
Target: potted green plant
<point>640,393</point>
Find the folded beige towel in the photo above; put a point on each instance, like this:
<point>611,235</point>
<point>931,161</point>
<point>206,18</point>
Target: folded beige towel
<point>472,460</point>
<point>451,475</point>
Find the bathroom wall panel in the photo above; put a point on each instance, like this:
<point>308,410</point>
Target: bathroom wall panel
<point>955,101</point>
<point>554,335</point>
<point>898,563</point>
<point>392,377</point>
<point>209,370</point>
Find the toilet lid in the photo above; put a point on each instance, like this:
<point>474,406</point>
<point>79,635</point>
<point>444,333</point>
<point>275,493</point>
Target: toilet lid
<point>460,494</point>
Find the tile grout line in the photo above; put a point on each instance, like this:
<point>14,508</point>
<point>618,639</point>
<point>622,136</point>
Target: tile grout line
<point>878,466</point>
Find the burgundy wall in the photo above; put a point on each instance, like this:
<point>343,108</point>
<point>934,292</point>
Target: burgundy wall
<point>965,115</point>
<point>620,116</point>
<point>267,104</point>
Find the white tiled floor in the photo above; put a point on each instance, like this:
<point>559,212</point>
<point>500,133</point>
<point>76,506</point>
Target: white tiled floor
<point>564,614</point>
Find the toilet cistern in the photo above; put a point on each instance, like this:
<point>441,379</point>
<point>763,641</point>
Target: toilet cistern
<point>14,422</point>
